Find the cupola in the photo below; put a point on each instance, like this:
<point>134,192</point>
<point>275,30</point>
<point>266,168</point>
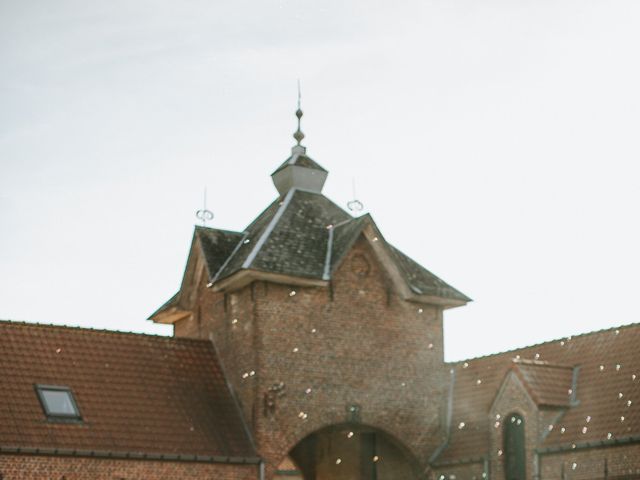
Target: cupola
<point>299,171</point>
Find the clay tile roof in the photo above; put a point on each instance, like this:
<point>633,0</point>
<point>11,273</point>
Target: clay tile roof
<point>136,393</point>
<point>546,383</point>
<point>608,390</point>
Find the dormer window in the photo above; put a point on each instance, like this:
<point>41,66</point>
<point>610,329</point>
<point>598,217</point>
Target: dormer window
<point>58,402</point>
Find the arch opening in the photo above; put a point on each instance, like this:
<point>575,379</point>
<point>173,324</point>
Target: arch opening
<point>514,448</point>
<point>349,452</point>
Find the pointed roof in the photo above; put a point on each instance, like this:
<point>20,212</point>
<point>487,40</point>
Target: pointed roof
<point>547,384</point>
<point>302,239</point>
<point>301,159</point>
<point>289,238</point>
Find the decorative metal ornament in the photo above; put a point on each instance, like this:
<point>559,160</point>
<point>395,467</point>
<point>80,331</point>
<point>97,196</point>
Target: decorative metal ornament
<point>355,206</point>
<point>298,135</point>
<point>204,214</point>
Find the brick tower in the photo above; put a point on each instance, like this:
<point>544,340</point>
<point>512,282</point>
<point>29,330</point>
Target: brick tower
<point>330,337</point>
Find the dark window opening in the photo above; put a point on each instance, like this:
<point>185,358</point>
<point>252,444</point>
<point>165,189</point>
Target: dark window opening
<point>514,448</point>
<point>58,402</point>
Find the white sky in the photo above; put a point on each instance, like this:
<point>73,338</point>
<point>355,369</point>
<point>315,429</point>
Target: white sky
<point>496,142</point>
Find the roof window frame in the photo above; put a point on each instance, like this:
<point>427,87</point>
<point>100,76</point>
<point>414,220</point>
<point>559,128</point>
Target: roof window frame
<point>58,417</point>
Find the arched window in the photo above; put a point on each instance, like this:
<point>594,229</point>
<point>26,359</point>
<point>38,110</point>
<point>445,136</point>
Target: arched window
<point>514,451</point>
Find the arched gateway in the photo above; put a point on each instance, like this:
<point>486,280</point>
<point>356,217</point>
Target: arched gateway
<point>319,321</point>
<point>349,451</point>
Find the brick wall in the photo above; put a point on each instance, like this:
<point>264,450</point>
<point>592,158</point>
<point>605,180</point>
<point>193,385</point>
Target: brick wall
<point>588,464</point>
<point>354,343</point>
<point>466,471</point>
<point>512,398</point>
<point>19,467</point>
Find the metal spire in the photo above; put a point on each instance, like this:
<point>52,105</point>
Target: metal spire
<point>298,135</point>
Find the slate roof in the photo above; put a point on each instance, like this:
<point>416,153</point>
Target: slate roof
<point>608,390</point>
<point>422,281</point>
<point>304,234</point>
<point>217,246</point>
<point>300,159</point>
<point>137,393</point>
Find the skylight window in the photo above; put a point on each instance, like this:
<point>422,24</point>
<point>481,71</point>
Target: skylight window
<point>58,402</point>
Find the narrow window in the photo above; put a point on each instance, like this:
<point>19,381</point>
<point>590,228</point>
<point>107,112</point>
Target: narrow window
<point>58,402</point>
<point>514,448</point>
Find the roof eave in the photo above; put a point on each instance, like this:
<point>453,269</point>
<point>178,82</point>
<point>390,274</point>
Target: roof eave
<point>244,277</point>
<point>170,316</point>
<point>439,301</point>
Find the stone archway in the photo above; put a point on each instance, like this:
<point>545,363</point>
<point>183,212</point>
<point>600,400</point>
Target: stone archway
<point>350,452</point>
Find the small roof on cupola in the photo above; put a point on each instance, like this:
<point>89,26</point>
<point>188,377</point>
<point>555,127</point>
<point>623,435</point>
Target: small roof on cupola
<point>299,170</point>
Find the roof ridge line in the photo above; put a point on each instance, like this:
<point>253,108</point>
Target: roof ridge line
<point>272,224</point>
<point>202,227</point>
<point>24,323</point>
<point>348,220</point>
<point>540,363</point>
<point>579,335</point>
<point>327,259</point>
<point>326,275</point>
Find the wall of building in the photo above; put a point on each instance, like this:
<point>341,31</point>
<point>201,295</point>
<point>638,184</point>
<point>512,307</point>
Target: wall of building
<point>587,464</point>
<point>465,471</point>
<point>512,399</point>
<point>40,467</point>
<point>353,344</point>
<point>227,319</point>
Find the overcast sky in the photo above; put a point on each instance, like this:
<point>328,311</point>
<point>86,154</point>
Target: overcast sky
<point>496,142</point>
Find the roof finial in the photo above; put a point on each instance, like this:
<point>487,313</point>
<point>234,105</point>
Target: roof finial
<point>204,214</point>
<point>298,135</point>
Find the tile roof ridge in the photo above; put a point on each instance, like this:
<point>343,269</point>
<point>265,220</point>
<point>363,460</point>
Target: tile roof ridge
<point>352,219</point>
<point>527,386</point>
<point>326,274</point>
<point>23,323</point>
<point>270,227</point>
<point>541,363</point>
<point>264,210</point>
<point>546,342</point>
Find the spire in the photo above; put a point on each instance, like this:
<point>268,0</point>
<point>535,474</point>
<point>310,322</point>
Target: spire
<point>298,135</point>
<point>299,171</point>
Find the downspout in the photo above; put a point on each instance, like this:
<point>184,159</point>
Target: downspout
<point>261,470</point>
<point>485,473</point>
<point>536,466</point>
<point>448,418</point>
